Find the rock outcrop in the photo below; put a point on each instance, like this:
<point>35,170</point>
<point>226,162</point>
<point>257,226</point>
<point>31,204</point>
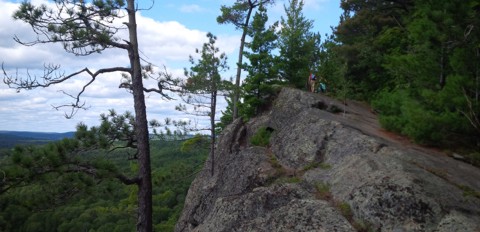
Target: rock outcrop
<point>328,167</point>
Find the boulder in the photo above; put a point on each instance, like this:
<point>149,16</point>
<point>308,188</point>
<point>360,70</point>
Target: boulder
<point>328,167</point>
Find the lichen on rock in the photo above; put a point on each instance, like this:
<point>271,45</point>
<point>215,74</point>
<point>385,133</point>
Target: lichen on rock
<point>383,184</point>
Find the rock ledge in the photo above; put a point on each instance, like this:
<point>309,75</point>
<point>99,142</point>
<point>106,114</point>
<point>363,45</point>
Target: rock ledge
<point>328,172</point>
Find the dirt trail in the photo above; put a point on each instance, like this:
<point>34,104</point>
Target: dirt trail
<point>360,116</point>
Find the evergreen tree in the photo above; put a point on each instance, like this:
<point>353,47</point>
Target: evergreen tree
<point>262,70</point>
<point>297,45</point>
<point>367,32</point>
<point>417,61</point>
<point>330,66</point>
<point>437,101</point>
<point>203,85</point>
<point>84,28</point>
<point>239,15</point>
<point>73,184</point>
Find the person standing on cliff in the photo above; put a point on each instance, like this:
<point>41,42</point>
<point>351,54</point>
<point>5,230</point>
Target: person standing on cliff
<point>322,87</point>
<point>311,80</point>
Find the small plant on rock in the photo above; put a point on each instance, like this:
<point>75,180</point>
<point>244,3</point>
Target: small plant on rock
<point>323,191</point>
<point>262,137</point>
<point>345,210</point>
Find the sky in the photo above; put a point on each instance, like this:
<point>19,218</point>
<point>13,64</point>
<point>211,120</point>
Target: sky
<point>169,31</point>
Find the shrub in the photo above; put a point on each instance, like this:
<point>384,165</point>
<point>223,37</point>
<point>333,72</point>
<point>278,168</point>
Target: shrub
<point>323,191</point>
<point>345,210</point>
<point>289,180</point>
<point>314,165</point>
<point>262,137</point>
<point>363,226</point>
<point>427,117</point>
<point>474,158</point>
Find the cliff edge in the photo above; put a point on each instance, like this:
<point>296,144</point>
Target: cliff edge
<point>328,167</point>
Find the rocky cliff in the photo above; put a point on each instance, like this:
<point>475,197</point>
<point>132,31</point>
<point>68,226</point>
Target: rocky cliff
<point>328,167</point>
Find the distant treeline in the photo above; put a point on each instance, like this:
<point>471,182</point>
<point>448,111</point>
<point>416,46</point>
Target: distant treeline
<point>9,139</point>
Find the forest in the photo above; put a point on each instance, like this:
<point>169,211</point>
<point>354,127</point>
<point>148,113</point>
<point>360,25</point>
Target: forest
<point>52,195</point>
<point>417,63</point>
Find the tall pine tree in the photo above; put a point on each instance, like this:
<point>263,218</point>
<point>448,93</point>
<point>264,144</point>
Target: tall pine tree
<point>297,45</point>
<point>262,68</point>
<point>203,86</point>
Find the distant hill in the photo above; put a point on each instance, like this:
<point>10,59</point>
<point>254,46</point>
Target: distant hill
<point>9,139</point>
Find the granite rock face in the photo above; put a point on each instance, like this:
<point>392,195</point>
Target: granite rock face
<point>328,167</point>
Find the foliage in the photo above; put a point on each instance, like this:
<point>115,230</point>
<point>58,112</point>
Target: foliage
<point>345,210</point>
<point>203,85</point>
<point>239,15</point>
<point>467,191</point>
<point>67,201</point>
<point>287,180</point>
<point>363,226</point>
<point>367,31</point>
<point>204,81</point>
<point>297,45</point>
<point>258,87</point>
<point>403,113</point>
<point>417,63</point>
<point>84,28</point>
<point>196,142</point>
<point>474,158</point>
<point>323,191</point>
<point>261,137</point>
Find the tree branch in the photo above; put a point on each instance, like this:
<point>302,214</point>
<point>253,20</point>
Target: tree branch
<point>50,77</point>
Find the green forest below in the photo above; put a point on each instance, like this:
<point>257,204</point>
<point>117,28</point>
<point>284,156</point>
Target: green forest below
<point>49,197</point>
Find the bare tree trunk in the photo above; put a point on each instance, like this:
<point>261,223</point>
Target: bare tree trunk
<point>442,79</point>
<point>212,128</point>
<point>477,77</point>
<point>236,96</point>
<point>144,214</point>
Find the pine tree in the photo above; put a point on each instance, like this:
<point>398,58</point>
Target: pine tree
<point>297,45</point>
<point>239,15</point>
<point>203,86</point>
<point>84,28</point>
<point>262,69</point>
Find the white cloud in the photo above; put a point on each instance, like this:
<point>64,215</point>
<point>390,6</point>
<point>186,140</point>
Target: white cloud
<point>314,4</point>
<point>161,43</point>
<point>191,8</point>
<point>167,42</point>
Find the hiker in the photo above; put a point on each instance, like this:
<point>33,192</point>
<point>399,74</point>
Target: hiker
<point>312,79</point>
<point>322,87</point>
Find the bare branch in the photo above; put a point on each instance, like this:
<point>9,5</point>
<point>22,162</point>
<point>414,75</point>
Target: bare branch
<point>50,77</point>
<point>92,171</point>
<point>471,115</point>
<point>165,82</point>
<point>127,181</point>
<point>148,8</point>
